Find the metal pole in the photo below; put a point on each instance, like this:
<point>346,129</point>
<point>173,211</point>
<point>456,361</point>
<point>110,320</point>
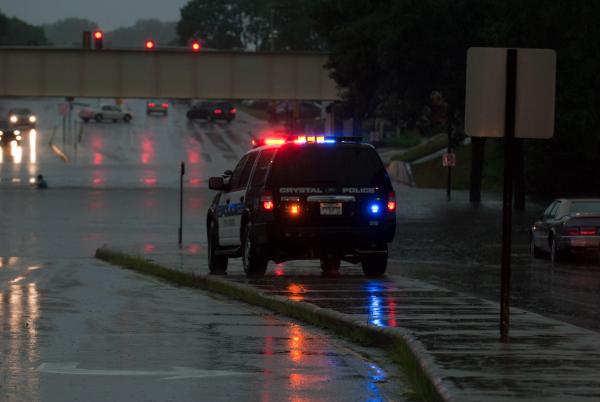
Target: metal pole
<point>509,144</point>
<point>64,129</point>
<point>180,232</point>
<point>449,185</point>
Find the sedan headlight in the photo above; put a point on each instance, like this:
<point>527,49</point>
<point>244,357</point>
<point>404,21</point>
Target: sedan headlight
<point>14,119</point>
<point>32,119</point>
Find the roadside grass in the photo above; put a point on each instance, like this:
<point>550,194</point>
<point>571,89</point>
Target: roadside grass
<point>407,140</point>
<point>422,386</point>
<point>432,174</point>
<point>434,144</point>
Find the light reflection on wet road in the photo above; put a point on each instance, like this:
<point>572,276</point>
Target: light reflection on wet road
<point>104,330</point>
<point>144,153</point>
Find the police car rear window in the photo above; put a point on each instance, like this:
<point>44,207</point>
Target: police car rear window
<point>328,166</point>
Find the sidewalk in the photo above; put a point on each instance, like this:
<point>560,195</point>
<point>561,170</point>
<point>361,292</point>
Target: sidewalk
<point>546,360</point>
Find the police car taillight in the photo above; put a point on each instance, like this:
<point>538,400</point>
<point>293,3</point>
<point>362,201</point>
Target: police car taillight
<point>266,201</point>
<point>391,204</point>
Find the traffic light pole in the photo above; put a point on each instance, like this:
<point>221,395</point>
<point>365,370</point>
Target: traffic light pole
<point>509,145</point>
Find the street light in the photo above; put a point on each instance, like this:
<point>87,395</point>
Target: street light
<point>150,45</point>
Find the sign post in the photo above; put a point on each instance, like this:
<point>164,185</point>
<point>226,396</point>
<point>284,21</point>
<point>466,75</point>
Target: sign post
<point>510,94</point>
<point>509,152</point>
<point>180,231</point>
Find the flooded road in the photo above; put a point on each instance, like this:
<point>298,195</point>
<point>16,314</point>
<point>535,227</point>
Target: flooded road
<point>74,328</point>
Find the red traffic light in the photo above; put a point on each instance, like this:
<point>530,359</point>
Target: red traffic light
<point>98,39</point>
<point>196,46</point>
<point>150,44</point>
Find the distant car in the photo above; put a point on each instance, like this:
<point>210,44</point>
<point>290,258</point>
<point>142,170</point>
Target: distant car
<point>157,107</point>
<point>568,225</point>
<point>220,110</point>
<point>105,112</point>
<point>22,118</point>
<point>9,133</point>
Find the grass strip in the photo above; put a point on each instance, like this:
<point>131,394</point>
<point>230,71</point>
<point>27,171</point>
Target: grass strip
<point>434,144</point>
<point>402,350</point>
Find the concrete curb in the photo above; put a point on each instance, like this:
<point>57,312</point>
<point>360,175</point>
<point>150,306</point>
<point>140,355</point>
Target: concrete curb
<point>403,347</point>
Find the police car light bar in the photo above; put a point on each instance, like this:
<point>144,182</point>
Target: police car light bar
<point>303,139</point>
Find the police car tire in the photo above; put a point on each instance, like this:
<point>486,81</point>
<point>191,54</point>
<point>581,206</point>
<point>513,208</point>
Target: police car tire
<point>254,262</point>
<point>217,264</point>
<point>374,265</point>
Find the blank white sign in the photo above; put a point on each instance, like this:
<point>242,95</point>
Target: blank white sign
<point>486,92</point>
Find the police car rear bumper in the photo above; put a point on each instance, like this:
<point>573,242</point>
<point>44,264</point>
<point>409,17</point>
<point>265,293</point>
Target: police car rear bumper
<point>344,239</point>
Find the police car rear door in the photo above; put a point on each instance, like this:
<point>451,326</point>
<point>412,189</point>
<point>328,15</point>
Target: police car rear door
<point>233,202</point>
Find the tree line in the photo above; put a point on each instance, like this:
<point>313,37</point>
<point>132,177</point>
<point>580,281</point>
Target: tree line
<point>396,52</point>
<point>264,25</point>
<point>15,32</point>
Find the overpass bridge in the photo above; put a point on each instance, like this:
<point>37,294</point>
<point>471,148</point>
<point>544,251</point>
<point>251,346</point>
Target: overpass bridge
<point>124,73</point>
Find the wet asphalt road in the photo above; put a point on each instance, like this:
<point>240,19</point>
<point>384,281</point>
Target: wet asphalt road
<point>457,246</point>
<point>119,188</point>
<point>73,328</point>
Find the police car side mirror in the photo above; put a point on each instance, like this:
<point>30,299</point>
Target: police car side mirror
<point>216,183</point>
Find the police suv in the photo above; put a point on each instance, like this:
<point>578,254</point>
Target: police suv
<point>311,197</point>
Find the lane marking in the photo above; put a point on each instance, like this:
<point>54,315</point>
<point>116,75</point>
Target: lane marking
<point>176,373</point>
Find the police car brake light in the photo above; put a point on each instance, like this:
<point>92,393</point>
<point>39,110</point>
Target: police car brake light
<point>266,201</point>
<point>391,204</point>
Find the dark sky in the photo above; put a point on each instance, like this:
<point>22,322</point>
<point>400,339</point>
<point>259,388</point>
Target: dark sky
<point>109,14</point>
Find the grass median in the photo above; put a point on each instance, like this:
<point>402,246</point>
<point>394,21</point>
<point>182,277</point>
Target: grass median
<point>423,386</point>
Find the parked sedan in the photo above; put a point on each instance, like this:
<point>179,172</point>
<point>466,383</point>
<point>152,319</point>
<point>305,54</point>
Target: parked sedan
<point>220,110</point>
<point>568,225</point>
<point>105,112</point>
<point>22,118</point>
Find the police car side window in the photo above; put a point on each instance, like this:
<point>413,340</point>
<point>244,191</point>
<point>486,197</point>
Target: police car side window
<point>237,172</point>
<point>258,179</point>
<point>247,170</point>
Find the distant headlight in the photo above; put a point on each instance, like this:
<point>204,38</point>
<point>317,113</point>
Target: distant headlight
<point>1,133</point>
<point>19,138</point>
<point>32,119</point>
<point>17,132</point>
<point>14,119</point>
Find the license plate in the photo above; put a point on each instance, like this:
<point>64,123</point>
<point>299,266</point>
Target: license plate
<point>331,208</point>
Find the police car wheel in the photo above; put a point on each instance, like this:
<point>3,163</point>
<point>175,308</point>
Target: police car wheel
<point>374,265</point>
<point>217,264</point>
<point>255,264</point>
